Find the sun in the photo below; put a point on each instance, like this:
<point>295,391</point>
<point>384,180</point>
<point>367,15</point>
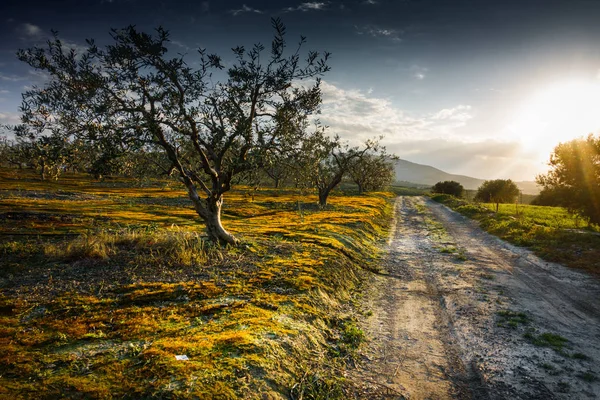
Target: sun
<point>557,113</point>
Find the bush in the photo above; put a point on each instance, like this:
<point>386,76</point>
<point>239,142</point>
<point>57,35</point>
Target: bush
<point>449,187</point>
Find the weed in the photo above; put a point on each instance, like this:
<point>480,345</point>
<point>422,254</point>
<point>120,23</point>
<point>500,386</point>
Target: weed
<point>461,255</point>
<point>352,335</point>
<point>547,339</point>
<point>581,356</point>
<point>588,376</point>
<point>315,386</point>
<point>563,387</point>
<point>448,250</point>
<point>548,367</point>
<point>511,319</point>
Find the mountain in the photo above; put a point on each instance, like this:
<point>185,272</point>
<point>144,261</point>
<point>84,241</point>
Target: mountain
<point>420,174</point>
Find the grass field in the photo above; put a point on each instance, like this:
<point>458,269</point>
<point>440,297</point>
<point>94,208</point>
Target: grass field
<point>103,284</point>
<point>552,217</point>
<point>551,232</point>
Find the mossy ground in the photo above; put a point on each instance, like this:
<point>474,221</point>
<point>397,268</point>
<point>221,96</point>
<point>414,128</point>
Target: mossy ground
<point>102,284</point>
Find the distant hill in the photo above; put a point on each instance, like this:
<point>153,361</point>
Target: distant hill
<point>419,174</point>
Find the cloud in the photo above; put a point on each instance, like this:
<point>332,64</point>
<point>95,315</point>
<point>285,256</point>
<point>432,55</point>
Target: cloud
<point>12,78</point>
<point>434,138</point>
<point>205,6</point>
<point>79,49</point>
<point>180,45</point>
<point>245,9</point>
<point>309,6</point>
<point>458,113</point>
<point>10,118</point>
<point>29,30</point>
<point>419,72</point>
<point>370,2</point>
<point>375,31</point>
<point>358,115</point>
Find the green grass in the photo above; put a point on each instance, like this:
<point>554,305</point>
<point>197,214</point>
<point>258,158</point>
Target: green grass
<point>550,232</point>
<point>552,217</point>
<point>511,319</point>
<point>547,339</point>
<point>103,284</point>
<point>588,377</point>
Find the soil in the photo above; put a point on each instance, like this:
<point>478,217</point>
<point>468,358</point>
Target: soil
<point>460,314</point>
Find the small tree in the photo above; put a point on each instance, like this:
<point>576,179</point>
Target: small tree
<point>574,178</point>
<point>497,191</point>
<point>371,171</point>
<point>452,188</point>
<point>49,154</point>
<point>324,161</point>
<point>279,168</point>
<point>133,95</point>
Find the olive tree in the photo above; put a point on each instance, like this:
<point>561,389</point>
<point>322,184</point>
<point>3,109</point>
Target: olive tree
<point>133,93</point>
<point>497,191</point>
<point>323,161</point>
<point>372,171</point>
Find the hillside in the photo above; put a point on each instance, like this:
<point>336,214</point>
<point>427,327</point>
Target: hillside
<point>407,171</point>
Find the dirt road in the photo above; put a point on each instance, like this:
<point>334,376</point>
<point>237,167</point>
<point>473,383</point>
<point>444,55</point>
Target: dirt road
<point>459,314</point>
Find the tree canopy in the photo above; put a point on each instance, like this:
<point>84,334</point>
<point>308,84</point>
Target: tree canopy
<point>132,95</point>
<point>574,178</point>
<point>452,188</point>
<point>497,191</point>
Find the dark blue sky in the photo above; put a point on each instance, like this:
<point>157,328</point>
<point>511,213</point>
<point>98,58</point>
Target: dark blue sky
<point>471,87</point>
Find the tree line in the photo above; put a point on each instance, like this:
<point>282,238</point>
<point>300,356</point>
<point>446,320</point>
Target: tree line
<point>131,108</point>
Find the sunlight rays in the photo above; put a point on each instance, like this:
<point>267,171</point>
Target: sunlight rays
<point>557,113</point>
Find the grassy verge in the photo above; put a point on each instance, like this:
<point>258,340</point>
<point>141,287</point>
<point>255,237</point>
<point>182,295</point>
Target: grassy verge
<point>550,232</point>
<point>103,285</point>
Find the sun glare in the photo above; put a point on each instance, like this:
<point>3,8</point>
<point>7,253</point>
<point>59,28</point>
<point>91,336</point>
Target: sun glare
<point>557,113</point>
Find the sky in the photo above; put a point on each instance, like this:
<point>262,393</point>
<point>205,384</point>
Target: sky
<point>483,88</point>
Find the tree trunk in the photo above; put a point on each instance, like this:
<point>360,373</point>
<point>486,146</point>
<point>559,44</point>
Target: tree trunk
<point>323,194</point>
<point>360,188</point>
<point>276,181</point>
<point>214,228</point>
<point>43,171</point>
<point>210,211</point>
<point>324,191</point>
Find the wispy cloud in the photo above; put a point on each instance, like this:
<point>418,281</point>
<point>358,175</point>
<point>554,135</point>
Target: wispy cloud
<point>245,9</point>
<point>180,45</point>
<point>375,31</point>
<point>29,29</point>
<point>309,6</point>
<point>370,2</point>
<point>419,72</point>
<point>12,78</point>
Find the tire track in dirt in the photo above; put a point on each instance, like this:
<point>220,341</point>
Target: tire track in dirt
<point>437,330</point>
<point>412,353</point>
